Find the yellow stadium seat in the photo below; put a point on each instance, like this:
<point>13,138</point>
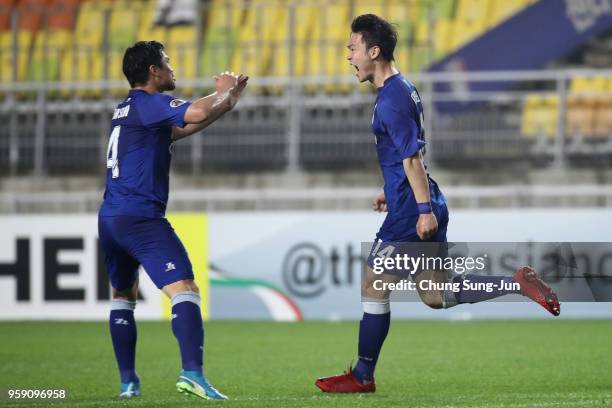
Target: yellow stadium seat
<point>368,7</point>
<point>540,116</point>
<point>87,44</point>
<point>6,56</point>
<point>421,45</point>
<point>278,65</point>
<point>24,43</point>
<point>252,54</point>
<point>49,49</point>
<point>580,116</point>
<point>399,14</point>
<point>442,37</point>
<point>181,48</point>
<point>223,19</point>
<point>475,11</point>
<point>305,18</point>
<point>464,31</point>
<point>122,32</point>
<point>327,53</point>
<point>603,118</point>
<point>147,29</point>
<point>589,85</point>
<point>501,10</point>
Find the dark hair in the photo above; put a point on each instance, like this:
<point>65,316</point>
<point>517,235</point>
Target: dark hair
<point>376,31</point>
<point>138,58</point>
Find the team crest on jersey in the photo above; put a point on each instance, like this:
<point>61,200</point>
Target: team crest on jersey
<point>415,97</point>
<point>175,103</point>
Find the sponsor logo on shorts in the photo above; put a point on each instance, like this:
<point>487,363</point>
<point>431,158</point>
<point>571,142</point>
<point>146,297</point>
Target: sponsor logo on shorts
<point>122,322</point>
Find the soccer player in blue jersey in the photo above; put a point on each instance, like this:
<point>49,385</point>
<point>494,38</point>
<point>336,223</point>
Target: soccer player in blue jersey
<point>416,207</point>
<point>131,223</point>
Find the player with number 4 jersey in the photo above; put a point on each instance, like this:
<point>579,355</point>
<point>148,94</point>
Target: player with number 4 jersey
<point>132,226</point>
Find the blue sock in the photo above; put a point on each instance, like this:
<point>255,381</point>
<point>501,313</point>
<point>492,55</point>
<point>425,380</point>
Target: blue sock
<point>188,329</point>
<point>481,294</point>
<point>123,333</point>
<point>373,330</point>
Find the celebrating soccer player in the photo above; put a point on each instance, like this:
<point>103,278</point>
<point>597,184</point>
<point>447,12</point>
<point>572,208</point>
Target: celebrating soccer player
<point>132,227</point>
<point>416,207</point>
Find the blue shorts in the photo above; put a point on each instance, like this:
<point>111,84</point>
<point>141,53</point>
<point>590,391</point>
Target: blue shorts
<point>410,244</point>
<point>130,241</point>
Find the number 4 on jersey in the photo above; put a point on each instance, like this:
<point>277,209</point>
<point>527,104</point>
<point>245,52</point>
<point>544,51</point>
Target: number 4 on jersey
<point>112,162</point>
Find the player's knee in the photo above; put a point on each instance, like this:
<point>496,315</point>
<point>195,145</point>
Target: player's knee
<point>432,299</point>
<point>126,295</point>
<point>185,285</point>
<point>368,291</point>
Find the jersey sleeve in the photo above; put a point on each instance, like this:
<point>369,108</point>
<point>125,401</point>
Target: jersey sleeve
<point>402,128</point>
<point>160,110</point>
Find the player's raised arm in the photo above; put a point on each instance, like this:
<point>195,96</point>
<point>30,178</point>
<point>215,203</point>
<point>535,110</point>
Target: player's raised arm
<point>206,110</point>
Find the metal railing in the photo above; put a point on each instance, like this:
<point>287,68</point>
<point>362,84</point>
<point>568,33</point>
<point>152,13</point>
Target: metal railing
<point>297,129</point>
<point>473,197</point>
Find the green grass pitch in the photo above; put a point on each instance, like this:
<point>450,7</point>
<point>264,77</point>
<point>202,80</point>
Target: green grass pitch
<point>258,364</point>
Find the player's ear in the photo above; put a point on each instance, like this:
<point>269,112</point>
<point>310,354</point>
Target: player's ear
<point>374,52</point>
<point>154,70</point>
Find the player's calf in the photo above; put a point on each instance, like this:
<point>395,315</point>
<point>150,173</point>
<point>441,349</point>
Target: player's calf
<point>123,331</point>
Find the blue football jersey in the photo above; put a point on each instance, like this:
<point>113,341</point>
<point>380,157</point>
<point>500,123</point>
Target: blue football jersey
<point>139,153</point>
<point>398,129</point>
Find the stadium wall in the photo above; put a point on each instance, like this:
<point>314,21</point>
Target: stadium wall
<point>51,267</point>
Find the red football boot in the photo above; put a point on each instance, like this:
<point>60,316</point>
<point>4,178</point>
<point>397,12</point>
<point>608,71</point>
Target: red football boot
<point>534,288</point>
<point>344,383</point>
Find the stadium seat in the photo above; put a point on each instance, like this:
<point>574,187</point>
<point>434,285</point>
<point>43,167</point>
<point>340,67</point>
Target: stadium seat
<point>540,116</point>
<point>147,29</point>
<point>442,38</point>
<point>6,53</point>
<point>87,46</point>
<point>305,19</point>
<point>399,13</point>
<point>588,86</point>
<point>328,55</point>
<point>336,38</point>
<point>30,17</point>
<point>181,48</point>
<point>367,7</point>
<point>474,11</point>
<point>51,42</point>
<point>443,8</point>
<point>420,55</point>
<point>253,51</point>
<point>580,116</point>
<point>6,56</point>
<point>221,27</point>
<point>122,33</point>
<point>603,118</point>
<point>6,9</point>
<point>49,48</point>
<point>464,31</point>
<point>500,10</point>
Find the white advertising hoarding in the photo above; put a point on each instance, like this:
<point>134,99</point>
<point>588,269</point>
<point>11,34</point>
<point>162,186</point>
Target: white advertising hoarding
<point>51,267</point>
